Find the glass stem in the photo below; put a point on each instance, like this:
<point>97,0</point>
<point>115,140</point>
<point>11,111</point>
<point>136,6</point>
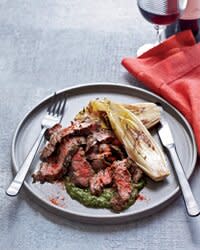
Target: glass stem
<point>158,33</point>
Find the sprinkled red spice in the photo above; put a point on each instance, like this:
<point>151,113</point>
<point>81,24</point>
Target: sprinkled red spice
<point>55,165</point>
<point>54,201</point>
<point>141,197</point>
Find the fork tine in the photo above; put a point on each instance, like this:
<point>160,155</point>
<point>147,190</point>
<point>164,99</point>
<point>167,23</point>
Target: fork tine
<point>57,105</point>
<point>57,111</point>
<point>54,107</point>
<point>50,107</point>
<point>62,105</point>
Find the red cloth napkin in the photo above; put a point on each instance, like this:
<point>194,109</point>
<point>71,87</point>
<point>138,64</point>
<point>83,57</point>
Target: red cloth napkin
<point>172,70</point>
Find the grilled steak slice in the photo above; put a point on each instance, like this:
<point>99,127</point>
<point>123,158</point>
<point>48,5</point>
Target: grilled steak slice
<point>81,170</point>
<point>49,172</point>
<point>123,184</point>
<point>122,179</point>
<point>97,150</point>
<point>55,169</point>
<point>99,180</point>
<point>118,203</point>
<point>135,171</point>
<point>98,164</point>
<point>99,161</point>
<point>101,136</point>
<point>118,152</point>
<point>75,129</point>
<point>50,131</point>
<point>96,184</point>
<point>138,173</point>
<point>101,156</point>
<point>103,147</point>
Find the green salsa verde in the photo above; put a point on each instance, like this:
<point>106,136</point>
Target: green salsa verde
<point>104,200</point>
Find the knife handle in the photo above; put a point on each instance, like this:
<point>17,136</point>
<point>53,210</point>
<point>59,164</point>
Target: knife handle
<point>190,202</point>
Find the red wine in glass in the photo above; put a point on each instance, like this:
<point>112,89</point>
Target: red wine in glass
<point>191,16</point>
<point>189,24</point>
<point>160,12</point>
<point>160,19</point>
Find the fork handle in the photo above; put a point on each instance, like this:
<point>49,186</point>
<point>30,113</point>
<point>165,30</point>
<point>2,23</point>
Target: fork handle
<point>16,184</point>
<point>190,202</point>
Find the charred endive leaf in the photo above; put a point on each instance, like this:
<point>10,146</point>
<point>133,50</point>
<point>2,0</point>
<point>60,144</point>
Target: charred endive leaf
<point>138,142</point>
<point>148,113</point>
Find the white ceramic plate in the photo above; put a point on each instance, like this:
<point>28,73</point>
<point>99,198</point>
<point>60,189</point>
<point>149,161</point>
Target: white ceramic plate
<point>54,196</point>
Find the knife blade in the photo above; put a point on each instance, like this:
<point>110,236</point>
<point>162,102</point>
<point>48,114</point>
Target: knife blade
<point>168,142</point>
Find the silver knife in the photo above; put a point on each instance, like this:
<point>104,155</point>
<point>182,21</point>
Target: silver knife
<point>167,140</point>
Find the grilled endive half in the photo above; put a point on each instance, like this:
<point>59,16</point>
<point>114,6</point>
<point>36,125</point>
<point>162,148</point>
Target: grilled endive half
<point>148,113</point>
<point>138,142</point>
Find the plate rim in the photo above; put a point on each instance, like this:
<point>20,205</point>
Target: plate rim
<point>97,218</point>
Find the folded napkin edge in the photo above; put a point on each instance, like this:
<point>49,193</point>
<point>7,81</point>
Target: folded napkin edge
<point>182,91</point>
<point>180,39</point>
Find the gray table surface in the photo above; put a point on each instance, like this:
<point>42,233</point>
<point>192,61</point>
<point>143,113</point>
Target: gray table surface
<point>46,45</point>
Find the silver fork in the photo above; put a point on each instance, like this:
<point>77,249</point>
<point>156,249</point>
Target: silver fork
<point>53,116</point>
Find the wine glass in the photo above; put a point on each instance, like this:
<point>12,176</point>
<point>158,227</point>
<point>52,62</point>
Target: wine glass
<point>161,13</point>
